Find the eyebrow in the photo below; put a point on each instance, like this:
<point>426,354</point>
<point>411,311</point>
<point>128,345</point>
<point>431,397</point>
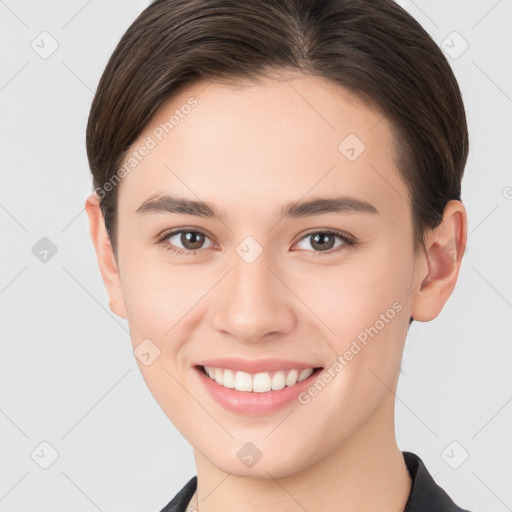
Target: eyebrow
<point>294,209</point>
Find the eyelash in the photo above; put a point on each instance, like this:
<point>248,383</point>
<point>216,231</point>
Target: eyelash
<point>347,241</point>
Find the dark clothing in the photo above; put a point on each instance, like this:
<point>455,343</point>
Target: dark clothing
<point>425,495</point>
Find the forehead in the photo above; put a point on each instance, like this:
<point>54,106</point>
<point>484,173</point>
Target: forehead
<point>278,140</point>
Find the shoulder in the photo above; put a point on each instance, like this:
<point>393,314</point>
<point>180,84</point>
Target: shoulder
<point>425,494</point>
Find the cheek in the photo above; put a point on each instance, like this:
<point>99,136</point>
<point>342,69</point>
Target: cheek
<point>159,302</point>
<point>363,304</point>
<point>157,295</point>
<point>351,296</point>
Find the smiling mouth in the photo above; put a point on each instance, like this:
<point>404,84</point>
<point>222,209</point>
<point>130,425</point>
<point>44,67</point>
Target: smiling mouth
<point>260,382</point>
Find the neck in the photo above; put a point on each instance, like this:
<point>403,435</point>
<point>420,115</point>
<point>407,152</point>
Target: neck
<point>366,472</point>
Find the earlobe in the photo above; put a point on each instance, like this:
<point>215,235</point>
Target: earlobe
<point>105,256</point>
<point>443,254</point>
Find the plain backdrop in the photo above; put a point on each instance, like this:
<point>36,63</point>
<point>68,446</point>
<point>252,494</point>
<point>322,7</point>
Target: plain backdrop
<point>71,395</point>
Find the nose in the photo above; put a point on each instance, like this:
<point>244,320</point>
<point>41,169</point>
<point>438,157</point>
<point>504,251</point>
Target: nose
<point>253,303</point>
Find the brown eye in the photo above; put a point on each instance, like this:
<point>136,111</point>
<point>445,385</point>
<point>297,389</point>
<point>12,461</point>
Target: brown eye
<point>185,240</point>
<point>192,240</point>
<point>322,241</point>
<point>325,242</point>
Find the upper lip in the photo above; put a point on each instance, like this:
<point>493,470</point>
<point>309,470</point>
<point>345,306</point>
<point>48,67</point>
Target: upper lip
<point>255,366</point>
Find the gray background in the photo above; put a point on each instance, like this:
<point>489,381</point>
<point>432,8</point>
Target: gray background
<point>68,376</point>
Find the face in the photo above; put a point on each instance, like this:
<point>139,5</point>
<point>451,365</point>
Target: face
<point>254,282</point>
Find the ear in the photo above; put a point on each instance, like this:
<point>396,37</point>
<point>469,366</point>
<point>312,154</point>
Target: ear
<point>105,255</point>
<point>440,263</point>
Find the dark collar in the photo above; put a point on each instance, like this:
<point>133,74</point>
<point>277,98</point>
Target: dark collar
<point>425,495</point>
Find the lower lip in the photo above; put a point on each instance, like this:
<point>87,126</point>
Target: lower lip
<point>251,403</point>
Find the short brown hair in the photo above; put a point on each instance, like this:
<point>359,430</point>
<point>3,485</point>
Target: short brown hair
<point>374,48</point>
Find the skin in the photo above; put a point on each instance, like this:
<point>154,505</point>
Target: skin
<point>249,151</point>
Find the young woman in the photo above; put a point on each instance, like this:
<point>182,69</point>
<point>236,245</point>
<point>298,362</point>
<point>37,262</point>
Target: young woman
<point>277,197</point>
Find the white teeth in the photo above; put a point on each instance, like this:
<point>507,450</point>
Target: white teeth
<point>292,377</point>
<point>259,382</point>
<point>243,381</point>
<point>219,376</point>
<point>229,379</point>
<point>304,374</point>
<point>278,381</point>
